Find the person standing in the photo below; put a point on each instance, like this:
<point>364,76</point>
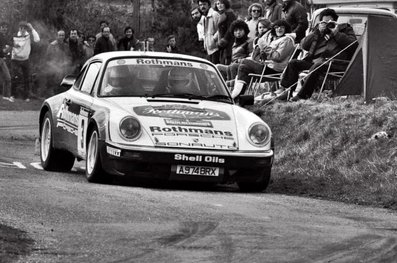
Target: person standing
<point>76,51</point>
<point>128,42</point>
<point>171,45</point>
<point>88,47</point>
<point>197,33</point>
<point>296,16</point>
<point>210,22</point>
<point>5,76</point>
<point>103,24</point>
<point>273,10</point>
<point>104,44</point>
<point>255,11</point>
<point>21,52</point>
<point>58,59</point>
<point>226,18</point>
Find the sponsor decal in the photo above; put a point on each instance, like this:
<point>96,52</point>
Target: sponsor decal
<point>67,119</point>
<point>163,62</point>
<point>181,112</point>
<point>192,132</point>
<point>196,145</point>
<point>187,122</point>
<point>198,158</point>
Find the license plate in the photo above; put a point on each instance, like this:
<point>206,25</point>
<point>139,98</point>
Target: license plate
<point>197,170</point>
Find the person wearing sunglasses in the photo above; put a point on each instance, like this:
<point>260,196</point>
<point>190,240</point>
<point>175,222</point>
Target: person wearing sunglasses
<point>255,11</point>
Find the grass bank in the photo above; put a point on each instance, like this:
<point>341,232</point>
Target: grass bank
<point>325,150</point>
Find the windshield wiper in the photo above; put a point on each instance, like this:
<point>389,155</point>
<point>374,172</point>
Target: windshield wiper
<point>220,97</point>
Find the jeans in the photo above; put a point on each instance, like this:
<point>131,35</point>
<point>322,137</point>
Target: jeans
<point>25,68</point>
<point>5,78</point>
<point>291,75</point>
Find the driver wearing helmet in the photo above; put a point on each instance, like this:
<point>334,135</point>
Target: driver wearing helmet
<point>118,81</point>
<point>180,81</point>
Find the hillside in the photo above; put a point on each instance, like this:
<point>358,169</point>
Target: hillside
<point>325,150</point>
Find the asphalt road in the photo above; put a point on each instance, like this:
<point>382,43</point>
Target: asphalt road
<point>71,220</point>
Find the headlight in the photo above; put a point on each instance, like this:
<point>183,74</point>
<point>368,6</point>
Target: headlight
<point>259,134</point>
<point>130,128</point>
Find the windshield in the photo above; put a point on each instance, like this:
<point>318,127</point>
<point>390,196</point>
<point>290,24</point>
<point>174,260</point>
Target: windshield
<point>155,77</point>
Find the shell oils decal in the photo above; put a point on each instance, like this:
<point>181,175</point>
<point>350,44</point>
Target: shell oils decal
<point>181,112</point>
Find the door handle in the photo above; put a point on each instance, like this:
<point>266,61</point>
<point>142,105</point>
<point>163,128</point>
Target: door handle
<point>68,101</point>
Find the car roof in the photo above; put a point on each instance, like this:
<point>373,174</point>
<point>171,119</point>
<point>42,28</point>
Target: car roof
<point>146,54</point>
<point>358,10</point>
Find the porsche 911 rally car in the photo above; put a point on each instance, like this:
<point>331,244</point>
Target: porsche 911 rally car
<point>154,115</point>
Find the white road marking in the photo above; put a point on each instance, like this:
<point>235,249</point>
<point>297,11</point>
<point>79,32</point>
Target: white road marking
<point>12,165</point>
<point>37,165</point>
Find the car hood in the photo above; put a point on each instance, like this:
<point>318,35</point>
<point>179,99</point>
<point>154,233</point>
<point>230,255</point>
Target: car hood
<point>186,123</point>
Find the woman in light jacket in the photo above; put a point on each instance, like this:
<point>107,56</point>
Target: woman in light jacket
<point>275,50</point>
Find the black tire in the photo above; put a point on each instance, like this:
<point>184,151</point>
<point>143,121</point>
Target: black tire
<point>257,186</point>
<point>52,159</point>
<point>94,171</point>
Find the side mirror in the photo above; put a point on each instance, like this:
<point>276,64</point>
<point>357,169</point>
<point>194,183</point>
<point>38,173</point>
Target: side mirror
<point>68,82</point>
<point>245,100</point>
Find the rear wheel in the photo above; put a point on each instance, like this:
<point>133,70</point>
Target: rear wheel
<point>94,171</point>
<point>258,185</point>
<point>52,159</point>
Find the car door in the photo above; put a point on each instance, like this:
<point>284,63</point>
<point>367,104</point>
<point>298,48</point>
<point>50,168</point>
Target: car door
<point>76,109</point>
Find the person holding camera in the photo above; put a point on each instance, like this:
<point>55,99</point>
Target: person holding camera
<point>326,40</point>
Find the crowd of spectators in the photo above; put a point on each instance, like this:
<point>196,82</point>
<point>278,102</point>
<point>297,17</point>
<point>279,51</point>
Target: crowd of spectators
<point>261,42</point>
<point>276,30</point>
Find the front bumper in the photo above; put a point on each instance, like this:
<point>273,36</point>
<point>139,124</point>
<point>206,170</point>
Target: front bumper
<point>161,163</point>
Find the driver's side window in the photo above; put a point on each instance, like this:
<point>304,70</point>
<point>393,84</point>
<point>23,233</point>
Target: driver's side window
<point>90,77</point>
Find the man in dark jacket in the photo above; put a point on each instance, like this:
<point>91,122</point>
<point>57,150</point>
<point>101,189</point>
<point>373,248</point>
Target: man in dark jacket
<point>325,41</point>
<point>104,43</point>
<point>296,16</point>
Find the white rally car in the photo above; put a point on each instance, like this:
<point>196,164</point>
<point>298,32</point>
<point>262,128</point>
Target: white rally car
<point>155,115</point>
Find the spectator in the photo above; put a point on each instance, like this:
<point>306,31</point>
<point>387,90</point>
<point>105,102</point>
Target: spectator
<point>150,44</point>
<point>20,54</point>
<point>226,18</point>
<point>210,22</point>
<point>58,59</point>
<point>255,11</point>
<point>264,27</point>
<point>89,46</point>
<point>197,20</point>
<point>296,16</point>
<point>273,10</point>
<point>103,43</point>
<point>103,24</point>
<point>128,42</point>
<point>326,40</point>
<point>240,49</point>
<point>197,34</point>
<point>171,46</point>
<point>277,49</point>
<point>76,51</point>
<point>5,77</point>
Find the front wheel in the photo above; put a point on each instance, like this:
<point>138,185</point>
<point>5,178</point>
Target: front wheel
<point>52,159</point>
<point>94,171</point>
<point>258,185</point>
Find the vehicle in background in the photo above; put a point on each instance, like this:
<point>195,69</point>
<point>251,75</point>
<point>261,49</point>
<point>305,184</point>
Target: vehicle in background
<point>355,16</point>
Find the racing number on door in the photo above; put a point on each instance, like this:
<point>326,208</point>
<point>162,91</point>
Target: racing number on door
<point>82,132</point>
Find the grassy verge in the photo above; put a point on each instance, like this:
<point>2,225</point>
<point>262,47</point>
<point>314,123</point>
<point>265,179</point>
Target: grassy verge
<point>325,150</point>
